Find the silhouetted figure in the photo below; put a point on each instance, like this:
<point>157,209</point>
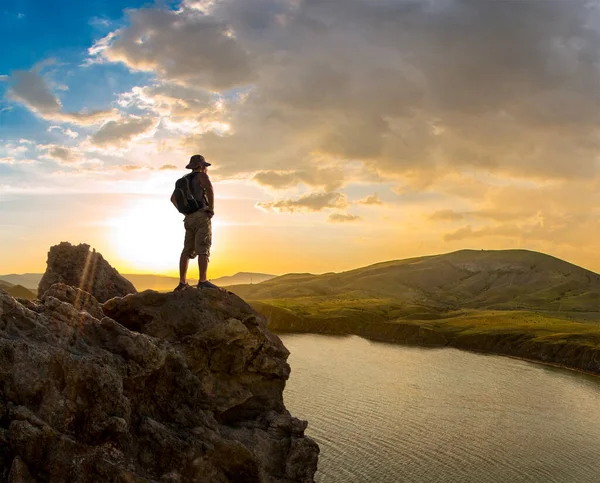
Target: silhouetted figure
<point>194,197</point>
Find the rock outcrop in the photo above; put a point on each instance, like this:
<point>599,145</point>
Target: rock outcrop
<point>179,387</point>
<point>86,269</point>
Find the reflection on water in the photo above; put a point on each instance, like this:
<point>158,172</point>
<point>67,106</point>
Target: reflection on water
<point>387,413</point>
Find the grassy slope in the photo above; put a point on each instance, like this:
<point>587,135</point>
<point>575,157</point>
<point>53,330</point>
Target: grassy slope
<point>461,295</point>
<point>20,292</point>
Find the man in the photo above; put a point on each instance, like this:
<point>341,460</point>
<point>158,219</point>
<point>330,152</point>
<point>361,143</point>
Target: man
<point>198,233</point>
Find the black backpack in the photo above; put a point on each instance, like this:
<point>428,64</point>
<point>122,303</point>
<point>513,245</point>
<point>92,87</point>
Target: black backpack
<point>188,196</point>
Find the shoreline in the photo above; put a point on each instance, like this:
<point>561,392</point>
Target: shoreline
<point>559,365</point>
<point>535,361</point>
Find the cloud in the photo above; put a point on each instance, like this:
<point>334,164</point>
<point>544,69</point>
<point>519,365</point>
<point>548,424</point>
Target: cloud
<point>8,160</point>
<point>117,133</point>
<point>400,86</point>
<point>67,132</point>
<point>562,213</point>
<point>327,178</point>
<point>184,46</point>
<point>61,154</point>
<point>308,202</point>
<point>168,167</point>
<point>342,218</point>
<point>370,200</point>
<point>30,89</point>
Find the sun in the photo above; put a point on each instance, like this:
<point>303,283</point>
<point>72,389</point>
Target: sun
<point>148,235</point>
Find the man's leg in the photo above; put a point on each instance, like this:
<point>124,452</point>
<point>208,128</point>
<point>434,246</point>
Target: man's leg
<point>184,261</point>
<point>202,267</point>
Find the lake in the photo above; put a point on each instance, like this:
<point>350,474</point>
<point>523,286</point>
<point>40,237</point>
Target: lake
<point>388,413</point>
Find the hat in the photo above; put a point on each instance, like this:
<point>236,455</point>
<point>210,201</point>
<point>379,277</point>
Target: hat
<point>197,161</point>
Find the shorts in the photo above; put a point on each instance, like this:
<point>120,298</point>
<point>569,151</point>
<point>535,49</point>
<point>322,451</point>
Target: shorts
<point>198,234</point>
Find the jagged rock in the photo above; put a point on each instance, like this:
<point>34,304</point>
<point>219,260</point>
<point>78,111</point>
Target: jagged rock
<point>87,270</point>
<point>181,387</point>
<point>79,299</point>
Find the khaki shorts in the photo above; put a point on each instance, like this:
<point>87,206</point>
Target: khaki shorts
<point>198,234</point>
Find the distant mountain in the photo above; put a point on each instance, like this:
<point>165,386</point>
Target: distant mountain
<point>29,280</point>
<point>160,283</point>
<point>503,279</point>
<point>241,278</point>
<point>163,283</point>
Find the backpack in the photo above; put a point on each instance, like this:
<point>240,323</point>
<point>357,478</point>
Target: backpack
<point>188,196</point>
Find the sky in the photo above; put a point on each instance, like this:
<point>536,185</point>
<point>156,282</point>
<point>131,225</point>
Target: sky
<point>341,132</point>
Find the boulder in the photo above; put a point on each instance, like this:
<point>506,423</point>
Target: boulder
<point>86,269</point>
<point>179,387</point>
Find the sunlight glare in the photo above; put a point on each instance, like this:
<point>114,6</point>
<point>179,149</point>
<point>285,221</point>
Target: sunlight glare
<point>149,235</point>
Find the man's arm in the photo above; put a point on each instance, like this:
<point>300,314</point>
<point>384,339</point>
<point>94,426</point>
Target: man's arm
<point>204,181</point>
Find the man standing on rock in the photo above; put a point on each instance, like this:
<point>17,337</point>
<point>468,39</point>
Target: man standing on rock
<point>198,232</point>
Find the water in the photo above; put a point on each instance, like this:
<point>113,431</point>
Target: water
<point>387,413</point>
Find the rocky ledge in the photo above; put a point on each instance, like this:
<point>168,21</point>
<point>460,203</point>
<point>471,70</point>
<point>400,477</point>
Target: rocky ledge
<point>150,387</point>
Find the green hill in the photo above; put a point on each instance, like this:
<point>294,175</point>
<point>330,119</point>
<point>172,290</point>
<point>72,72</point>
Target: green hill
<point>507,279</point>
<point>512,302</point>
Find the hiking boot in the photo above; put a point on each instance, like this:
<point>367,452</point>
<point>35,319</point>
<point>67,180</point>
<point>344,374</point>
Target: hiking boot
<point>207,284</point>
<point>181,286</point>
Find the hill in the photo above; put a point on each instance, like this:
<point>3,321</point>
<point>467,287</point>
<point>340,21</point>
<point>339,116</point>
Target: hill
<point>499,280</point>
<point>19,291</point>
<point>5,285</point>
<point>511,302</point>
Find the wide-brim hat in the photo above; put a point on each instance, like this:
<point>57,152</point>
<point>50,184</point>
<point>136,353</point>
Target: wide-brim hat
<point>197,161</point>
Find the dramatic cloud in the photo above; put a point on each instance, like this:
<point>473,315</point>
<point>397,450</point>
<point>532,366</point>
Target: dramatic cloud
<point>184,46</point>
<point>116,133</point>
<point>342,218</point>
<point>308,202</point>
<point>30,89</point>
<point>401,86</point>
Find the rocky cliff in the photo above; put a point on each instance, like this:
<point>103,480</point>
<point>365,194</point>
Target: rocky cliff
<point>178,387</point>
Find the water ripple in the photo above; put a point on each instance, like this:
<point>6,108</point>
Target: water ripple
<point>387,414</point>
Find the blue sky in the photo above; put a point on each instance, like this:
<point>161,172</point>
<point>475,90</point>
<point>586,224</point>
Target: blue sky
<point>33,31</point>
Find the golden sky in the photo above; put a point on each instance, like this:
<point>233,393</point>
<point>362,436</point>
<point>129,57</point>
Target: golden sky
<point>341,133</point>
